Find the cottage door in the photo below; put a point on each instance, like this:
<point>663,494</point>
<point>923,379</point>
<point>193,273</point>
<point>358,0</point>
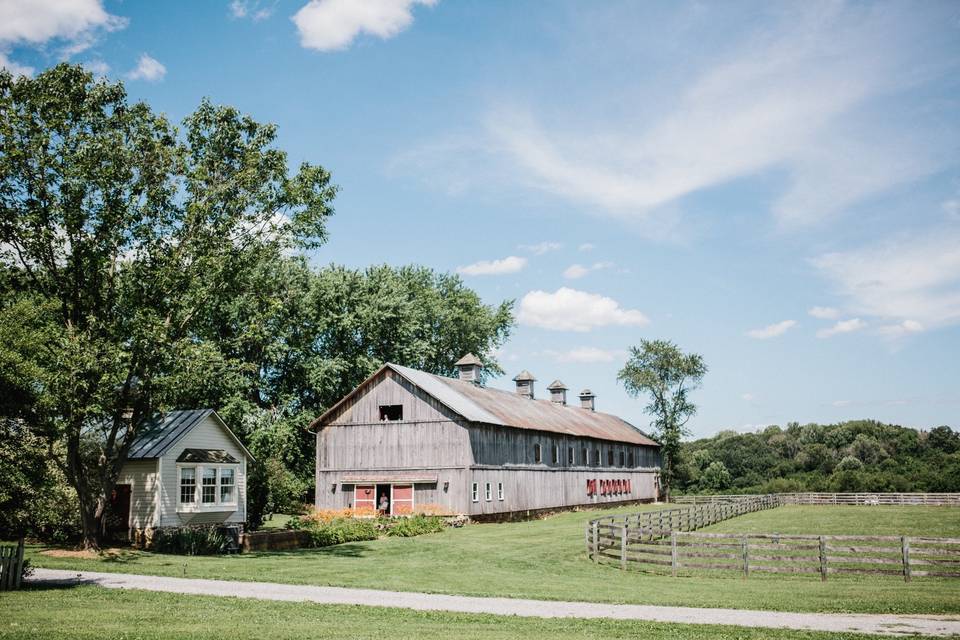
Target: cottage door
<point>117,523</point>
<point>363,497</point>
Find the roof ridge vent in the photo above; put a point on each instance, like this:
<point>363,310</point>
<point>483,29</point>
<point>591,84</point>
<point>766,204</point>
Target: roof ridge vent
<point>525,381</point>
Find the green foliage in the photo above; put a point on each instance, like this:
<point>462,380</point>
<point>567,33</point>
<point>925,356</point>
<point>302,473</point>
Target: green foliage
<point>659,370</point>
<point>199,540</point>
<point>859,455</point>
<point>415,526</point>
<point>340,530</point>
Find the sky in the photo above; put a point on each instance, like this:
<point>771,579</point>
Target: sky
<point>775,186</point>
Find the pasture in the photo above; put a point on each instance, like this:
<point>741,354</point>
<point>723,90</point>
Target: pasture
<point>545,559</point>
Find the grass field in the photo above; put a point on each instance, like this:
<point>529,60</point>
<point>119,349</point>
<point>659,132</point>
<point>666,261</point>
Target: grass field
<point>545,559</point>
<point>878,521</point>
<point>276,521</point>
<point>97,613</point>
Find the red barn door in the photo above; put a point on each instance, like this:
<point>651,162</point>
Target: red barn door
<point>363,497</point>
<point>402,499</point>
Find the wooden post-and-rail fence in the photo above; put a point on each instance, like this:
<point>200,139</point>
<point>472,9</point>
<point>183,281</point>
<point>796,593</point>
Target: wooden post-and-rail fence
<point>11,566</point>
<point>851,499</point>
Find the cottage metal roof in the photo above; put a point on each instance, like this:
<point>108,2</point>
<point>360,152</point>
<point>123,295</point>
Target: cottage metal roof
<point>157,435</point>
<point>508,409</point>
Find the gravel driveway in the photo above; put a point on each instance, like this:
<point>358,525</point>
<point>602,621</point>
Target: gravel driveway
<point>881,624</point>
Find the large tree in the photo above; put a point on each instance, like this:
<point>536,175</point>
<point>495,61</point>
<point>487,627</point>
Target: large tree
<point>118,232</point>
<point>661,371</point>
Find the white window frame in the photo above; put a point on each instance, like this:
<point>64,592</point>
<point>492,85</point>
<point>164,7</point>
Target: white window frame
<point>500,491</point>
<point>475,492</point>
<point>487,492</point>
<point>180,470</point>
<point>537,453</point>
<point>198,504</point>
<point>556,454</point>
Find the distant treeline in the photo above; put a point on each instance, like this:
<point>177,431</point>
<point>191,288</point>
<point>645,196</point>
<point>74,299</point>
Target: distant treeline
<point>859,455</point>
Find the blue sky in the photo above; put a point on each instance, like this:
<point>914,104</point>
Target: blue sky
<point>775,186</point>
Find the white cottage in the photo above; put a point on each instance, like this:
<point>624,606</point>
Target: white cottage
<point>185,467</point>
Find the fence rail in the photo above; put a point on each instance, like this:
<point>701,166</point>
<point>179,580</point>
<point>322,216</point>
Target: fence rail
<point>668,540</point>
<point>858,499</point>
<point>11,566</point>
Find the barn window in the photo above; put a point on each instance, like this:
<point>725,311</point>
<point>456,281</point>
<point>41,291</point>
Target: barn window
<point>630,460</point>
<point>475,492</point>
<point>570,455</point>
<point>596,457</point>
<point>487,492</point>
<point>499,491</point>
<point>188,485</point>
<point>556,454</point>
<point>537,456</point>
<point>609,457</point>
<point>227,482</point>
<point>584,460</point>
<point>623,458</point>
<point>391,412</point>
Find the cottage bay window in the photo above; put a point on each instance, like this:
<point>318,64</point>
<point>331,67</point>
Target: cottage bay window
<point>209,486</point>
<point>188,485</point>
<point>227,484</point>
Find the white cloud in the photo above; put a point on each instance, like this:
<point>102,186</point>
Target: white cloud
<point>148,69</point>
<point>510,264</point>
<point>575,271</point>
<point>15,68</point>
<point>74,25</point>
<point>571,310</point>
<point>250,9</point>
<point>909,283</point>
<point>843,326</point>
<point>587,355</point>
<point>748,397</point>
<point>97,67</point>
<point>540,248</point>
<point>824,313</point>
<point>772,330</point>
<point>328,25</point>
<point>587,246</point>
<point>841,403</point>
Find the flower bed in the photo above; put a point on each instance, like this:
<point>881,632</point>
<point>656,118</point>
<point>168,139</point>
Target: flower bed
<point>328,527</point>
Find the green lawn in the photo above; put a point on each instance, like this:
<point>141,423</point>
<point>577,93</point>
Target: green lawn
<point>878,521</point>
<point>276,521</point>
<point>96,613</point>
<point>545,559</point>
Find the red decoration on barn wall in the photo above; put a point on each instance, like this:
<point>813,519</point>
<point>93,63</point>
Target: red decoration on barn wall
<point>609,487</point>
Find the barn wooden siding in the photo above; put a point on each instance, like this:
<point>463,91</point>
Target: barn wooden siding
<point>432,441</point>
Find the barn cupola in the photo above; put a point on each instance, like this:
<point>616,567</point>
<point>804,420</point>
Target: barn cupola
<point>587,398</point>
<point>469,368</point>
<point>525,381</point>
<point>558,392</point>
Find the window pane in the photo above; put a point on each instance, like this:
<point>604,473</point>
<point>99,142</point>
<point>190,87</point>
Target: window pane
<point>226,485</point>
<point>209,493</point>
<point>188,485</point>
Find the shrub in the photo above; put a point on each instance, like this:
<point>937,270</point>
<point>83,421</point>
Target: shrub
<point>415,526</point>
<point>340,530</point>
<point>199,540</point>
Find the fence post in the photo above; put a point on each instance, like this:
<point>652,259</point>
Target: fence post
<point>746,557</point>
<point>905,546</point>
<point>673,553</point>
<point>623,546</point>
<point>18,565</point>
<point>596,541</point>
<point>823,559</point>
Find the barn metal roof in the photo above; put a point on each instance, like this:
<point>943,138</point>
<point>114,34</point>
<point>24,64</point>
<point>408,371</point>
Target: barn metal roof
<point>157,435</point>
<point>509,409</point>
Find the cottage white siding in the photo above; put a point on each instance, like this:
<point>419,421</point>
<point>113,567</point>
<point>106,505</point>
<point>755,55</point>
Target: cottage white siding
<point>206,434</point>
<point>141,475</point>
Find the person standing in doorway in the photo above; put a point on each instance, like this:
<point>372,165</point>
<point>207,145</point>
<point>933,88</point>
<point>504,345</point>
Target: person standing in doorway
<point>384,503</point>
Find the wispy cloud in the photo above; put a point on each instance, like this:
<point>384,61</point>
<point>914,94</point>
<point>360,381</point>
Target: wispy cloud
<point>587,355</point>
<point>909,282</point>
<point>253,9</point>
<point>796,96</point>
<point>772,330</point>
<point>587,246</point>
<point>843,326</point>
<point>510,264</point>
<point>571,310</point>
<point>575,271</point>
<point>824,313</point>
<point>328,25</point>
<point>149,69</point>
<point>540,248</point>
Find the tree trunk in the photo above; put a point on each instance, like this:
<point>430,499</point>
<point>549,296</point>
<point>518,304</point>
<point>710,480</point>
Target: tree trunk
<point>92,513</point>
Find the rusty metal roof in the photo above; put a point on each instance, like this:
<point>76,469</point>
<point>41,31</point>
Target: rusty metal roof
<point>508,409</point>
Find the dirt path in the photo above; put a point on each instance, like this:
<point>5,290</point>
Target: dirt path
<point>892,625</point>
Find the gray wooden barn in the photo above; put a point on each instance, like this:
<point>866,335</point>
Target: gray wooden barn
<point>408,440</point>
<point>185,467</point>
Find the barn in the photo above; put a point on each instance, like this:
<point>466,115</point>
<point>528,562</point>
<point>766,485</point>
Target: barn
<point>406,440</point>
